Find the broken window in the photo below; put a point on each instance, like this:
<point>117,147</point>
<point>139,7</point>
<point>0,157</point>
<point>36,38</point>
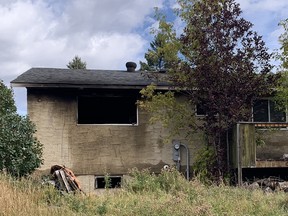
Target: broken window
<point>107,109</point>
<point>265,110</point>
<point>107,182</point>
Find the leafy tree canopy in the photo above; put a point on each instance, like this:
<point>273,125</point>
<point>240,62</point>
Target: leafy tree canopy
<point>76,63</point>
<point>20,151</point>
<point>282,89</point>
<point>283,39</point>
<point>163,49</point>
<point>223,66</point>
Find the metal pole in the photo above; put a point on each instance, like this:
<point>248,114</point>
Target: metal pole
<point>187,161</point>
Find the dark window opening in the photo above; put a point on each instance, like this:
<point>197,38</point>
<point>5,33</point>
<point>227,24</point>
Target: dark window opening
<point>275,114</point>
<point>201,110</point>
<point>260,111</point>
<point>107,110</point>
<point>109,182</point>
<point>266,111</point>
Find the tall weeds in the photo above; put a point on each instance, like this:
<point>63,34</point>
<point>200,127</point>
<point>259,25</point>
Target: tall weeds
<point>144,194</point>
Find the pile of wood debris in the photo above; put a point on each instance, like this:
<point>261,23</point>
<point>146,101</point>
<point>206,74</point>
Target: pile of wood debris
<point>64,179</point>
<point>271,184</point>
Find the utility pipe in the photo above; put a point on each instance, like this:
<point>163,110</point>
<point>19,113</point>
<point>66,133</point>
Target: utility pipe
<point>187,161</point>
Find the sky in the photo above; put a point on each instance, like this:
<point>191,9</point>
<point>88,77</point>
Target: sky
<point>104,33</point>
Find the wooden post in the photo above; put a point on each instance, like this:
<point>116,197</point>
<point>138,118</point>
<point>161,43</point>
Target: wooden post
<point>239,156</point>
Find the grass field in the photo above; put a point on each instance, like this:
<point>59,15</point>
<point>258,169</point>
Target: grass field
<point>146,194</point>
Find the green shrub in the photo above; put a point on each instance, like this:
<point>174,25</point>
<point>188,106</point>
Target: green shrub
<point>20,151</point>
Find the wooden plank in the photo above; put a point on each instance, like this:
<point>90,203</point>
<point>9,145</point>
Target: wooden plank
<point>67,186</point>
<point>60,180</point>
<point>233,149</point>
<point>243,146</point>
<point>271,163</point>
<point>271,125</point>
<point>247,141</point>
<point>71,182</point>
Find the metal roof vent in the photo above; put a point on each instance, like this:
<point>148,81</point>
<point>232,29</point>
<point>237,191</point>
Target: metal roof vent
<point>131,66</point>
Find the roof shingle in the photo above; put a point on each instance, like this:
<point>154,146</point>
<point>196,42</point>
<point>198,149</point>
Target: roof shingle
<point>55,77</point>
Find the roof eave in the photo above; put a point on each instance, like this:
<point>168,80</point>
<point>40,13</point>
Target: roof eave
<point>55,85</point>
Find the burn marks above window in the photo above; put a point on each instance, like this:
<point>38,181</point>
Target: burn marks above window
<point>107,109</point>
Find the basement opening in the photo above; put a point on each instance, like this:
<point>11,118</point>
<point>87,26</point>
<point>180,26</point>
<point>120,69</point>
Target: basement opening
<point>108,182</point>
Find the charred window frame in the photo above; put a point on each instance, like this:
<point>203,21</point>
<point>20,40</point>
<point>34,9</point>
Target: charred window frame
<point>265,110</point>
<point>118,109</point>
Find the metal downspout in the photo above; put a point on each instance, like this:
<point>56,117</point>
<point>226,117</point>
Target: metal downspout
<point>187,161</point>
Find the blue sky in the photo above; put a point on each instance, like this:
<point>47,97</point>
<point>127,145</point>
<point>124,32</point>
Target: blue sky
<point>105,34</point>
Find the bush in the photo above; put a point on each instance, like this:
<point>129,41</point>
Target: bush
<point>20,151</point>
<point>167,181</point>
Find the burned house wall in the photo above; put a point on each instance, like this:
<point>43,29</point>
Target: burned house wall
<point>52,116</point>
<point>95,149</point>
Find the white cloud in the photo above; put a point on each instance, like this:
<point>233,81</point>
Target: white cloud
<point>49,33</point>
<point>266,5</point>
<point>265,16</point>
<point>22,27</point>
<point>108,16</point>
<point>104,33</point>
<point>119,47</point>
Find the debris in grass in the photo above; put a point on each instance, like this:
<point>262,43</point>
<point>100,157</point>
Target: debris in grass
<point>64,179</point>
<point>271,184</point>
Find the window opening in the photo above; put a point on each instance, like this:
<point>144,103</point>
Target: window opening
<point>107,110</point>
<point>266,111</point>
<point>112,181</point>
<point>200,110</point>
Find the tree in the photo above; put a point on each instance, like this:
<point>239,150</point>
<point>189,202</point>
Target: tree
<point>282,89</point>
<point>163,49</point>
<point>283,39</point>
<point>224,66</point>
<point>20,151</point>
<point>76,63</point>
<point>156,56</point>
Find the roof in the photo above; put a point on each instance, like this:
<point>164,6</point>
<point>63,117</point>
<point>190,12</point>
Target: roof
<point>83,78</point>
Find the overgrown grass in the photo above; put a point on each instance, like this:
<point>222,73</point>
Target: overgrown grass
<point>145,194</point>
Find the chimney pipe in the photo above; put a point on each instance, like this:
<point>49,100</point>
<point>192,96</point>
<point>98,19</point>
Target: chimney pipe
<point>131,66</point>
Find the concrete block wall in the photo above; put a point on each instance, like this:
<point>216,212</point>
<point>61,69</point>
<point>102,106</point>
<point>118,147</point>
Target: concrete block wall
<point>95,150</point>
<point>50,115</point>
<point>87,183</point>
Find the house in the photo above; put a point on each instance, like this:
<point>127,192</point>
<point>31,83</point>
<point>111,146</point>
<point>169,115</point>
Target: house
<point>88,120</point>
